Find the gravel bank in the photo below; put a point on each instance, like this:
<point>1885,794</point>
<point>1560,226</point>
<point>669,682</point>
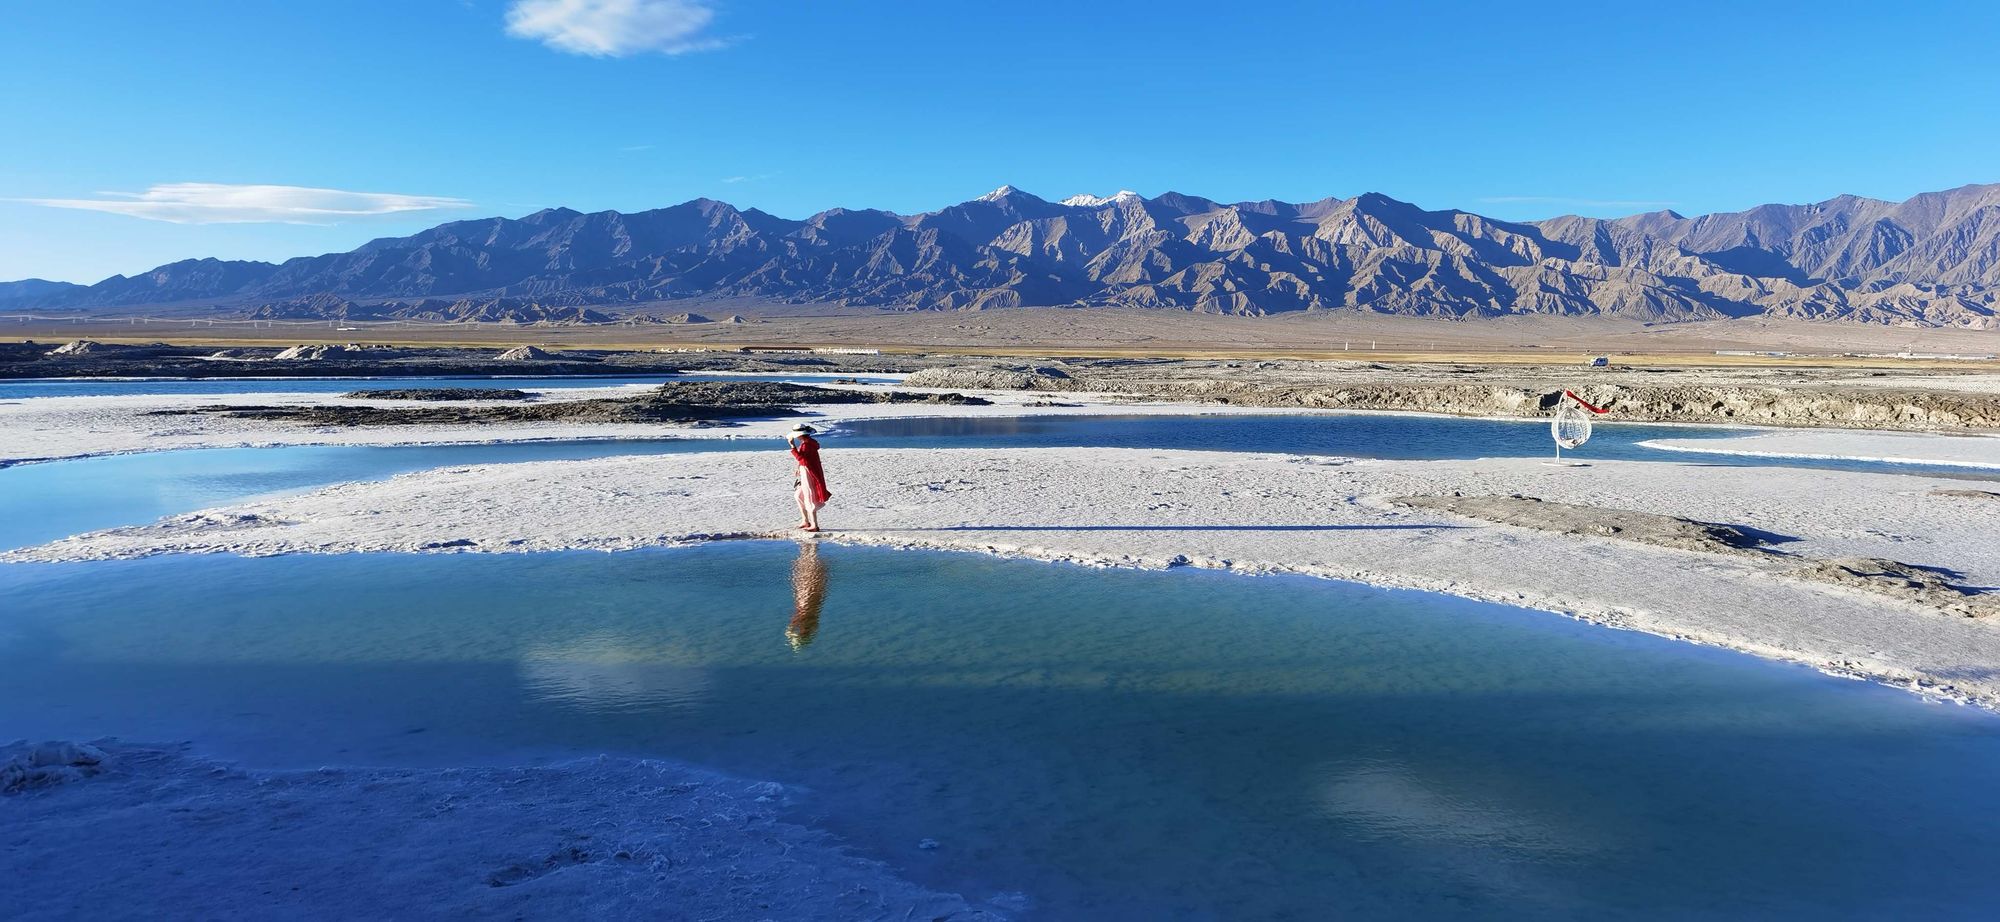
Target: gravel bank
<point>1834,398</point>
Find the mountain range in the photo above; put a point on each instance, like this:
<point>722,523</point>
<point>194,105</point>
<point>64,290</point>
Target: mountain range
<point>1933,260</point>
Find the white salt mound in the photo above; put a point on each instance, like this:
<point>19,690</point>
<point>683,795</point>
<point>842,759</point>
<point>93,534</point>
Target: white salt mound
<point>77,347</point>
<point>327,351</point>
<point>526,354</point>
<point>34,765</point>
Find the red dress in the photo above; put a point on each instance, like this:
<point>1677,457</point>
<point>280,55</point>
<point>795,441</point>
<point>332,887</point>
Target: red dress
<point>806,453</point>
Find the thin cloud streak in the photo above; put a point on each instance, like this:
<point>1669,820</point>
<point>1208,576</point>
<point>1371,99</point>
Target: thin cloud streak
<point>757,178</point>
<point>222,203</point>
<point>615,28</point>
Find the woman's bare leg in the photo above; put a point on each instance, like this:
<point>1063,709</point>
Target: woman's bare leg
<point>805,507</point>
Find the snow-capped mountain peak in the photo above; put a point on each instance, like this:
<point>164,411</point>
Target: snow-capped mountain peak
<point>1086,200</point>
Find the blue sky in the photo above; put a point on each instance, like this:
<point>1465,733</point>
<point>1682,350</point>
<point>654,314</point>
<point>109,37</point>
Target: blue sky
<point>1513,110</point>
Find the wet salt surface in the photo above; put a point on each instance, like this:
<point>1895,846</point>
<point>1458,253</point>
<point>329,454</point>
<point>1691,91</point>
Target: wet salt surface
<point>1111,743</point>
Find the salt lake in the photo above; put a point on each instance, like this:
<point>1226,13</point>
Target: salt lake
<point>1102,742</point>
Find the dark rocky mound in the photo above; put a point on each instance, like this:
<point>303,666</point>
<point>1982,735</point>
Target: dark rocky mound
<point>743,393</point>
<point>675,402</point>
<point>441,393</point>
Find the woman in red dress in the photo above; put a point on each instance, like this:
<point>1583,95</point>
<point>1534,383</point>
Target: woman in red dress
<point>810,479</point>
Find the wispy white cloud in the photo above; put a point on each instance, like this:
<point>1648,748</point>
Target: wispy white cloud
<point>615,28</point>
<point>635,148</point>
<point>757,178</point>
<point>1585,202</point>
<point>220,203</point>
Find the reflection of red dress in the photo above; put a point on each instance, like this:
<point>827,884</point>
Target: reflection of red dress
<point>806,452</point>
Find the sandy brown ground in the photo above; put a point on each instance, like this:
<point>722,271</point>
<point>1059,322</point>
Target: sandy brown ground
<point>1065,332</point>
<point>1937,400</point>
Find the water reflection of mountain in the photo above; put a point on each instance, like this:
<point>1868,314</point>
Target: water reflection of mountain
<point>808,595</point>
<point>609,672</point>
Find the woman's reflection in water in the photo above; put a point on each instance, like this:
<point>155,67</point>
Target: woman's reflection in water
<point>808,594</point>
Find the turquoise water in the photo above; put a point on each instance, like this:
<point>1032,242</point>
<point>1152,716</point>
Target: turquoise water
<point>20,389</point>
<point>43,502</point>
<point>1359,435</point>
<point>1114,744</point>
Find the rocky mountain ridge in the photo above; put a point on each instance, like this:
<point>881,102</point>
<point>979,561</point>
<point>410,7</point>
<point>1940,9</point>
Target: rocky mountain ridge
<point>32,288</point>
<point>1933,260</point>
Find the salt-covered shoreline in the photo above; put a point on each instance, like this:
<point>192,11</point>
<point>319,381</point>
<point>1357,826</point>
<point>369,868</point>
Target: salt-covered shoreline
<point>1246,512</point>
<point>1243,512</point>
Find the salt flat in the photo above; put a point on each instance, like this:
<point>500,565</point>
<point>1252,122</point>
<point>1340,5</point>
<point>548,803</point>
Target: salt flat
<point>1979,451</point>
